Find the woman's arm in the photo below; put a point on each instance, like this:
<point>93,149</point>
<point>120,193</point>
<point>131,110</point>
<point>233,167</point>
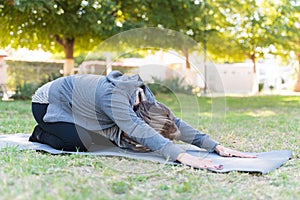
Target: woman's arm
<point>193,136</point>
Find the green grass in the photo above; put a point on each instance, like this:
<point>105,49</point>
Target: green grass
<point>259,123</point>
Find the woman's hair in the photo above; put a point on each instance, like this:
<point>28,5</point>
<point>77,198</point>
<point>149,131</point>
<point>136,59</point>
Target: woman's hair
<point>159,117</point>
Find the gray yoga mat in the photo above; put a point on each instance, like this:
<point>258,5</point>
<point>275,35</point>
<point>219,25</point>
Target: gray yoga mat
<point>264,163</point>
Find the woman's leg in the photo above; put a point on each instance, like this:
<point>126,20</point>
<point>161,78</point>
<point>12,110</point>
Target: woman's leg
<point>60,135</point>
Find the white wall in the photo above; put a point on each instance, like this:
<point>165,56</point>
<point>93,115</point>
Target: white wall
<point>2,71</point>
<point>147,72</point>
<point>171,71</point>
<point>232,78</point>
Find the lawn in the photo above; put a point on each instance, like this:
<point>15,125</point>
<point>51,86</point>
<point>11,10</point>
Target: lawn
<point>260,123</point>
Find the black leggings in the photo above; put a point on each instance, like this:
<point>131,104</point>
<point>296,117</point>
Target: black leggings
<point>61,135</point>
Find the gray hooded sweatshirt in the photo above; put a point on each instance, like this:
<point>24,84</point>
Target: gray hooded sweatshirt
<point>99,103</point>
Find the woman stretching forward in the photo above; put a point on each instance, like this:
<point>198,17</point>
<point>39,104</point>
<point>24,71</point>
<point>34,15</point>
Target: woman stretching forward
<point>72,111</point>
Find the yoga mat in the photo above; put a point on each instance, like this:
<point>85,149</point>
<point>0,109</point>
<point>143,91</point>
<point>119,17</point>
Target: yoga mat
<point>264,163</point>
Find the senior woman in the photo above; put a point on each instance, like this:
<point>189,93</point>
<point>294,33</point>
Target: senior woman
<point>71,110</point>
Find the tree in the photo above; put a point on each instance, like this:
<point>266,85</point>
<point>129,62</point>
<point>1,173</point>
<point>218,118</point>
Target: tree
<point>82,24</point>
<point>251,35</point>
<point>286,15</point>
<point>173,15</point>
<point>52,24</point>
<point>200,20</point>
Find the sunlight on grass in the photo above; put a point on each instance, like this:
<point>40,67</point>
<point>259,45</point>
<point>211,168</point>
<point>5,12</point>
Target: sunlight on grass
<point>260,113</point>
<point>291,99</point>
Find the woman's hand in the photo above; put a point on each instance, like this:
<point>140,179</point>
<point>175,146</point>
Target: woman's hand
<point>226,152</point>
<point>197,162</point>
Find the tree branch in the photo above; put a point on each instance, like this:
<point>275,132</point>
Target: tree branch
<point>59,40</point>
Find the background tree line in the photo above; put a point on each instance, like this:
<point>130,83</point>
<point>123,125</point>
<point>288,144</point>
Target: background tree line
<point>229,31</point>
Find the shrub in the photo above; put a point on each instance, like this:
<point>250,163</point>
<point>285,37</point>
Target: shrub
<point>260,87</point>
<point>49,78</point>
<point>169,86</point>
<point>24,91</point>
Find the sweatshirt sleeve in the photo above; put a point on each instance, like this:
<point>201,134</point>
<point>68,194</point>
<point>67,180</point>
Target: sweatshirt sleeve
<point>193,136</point>
<point>121,112</point>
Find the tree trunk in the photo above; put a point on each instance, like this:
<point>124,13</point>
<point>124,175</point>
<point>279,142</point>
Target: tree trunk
<point>68,45</point>
<point>253,58</point>
<point>255,88</point>
<point>187,62</point>
<point>297,86</point>
<point>69,66</point>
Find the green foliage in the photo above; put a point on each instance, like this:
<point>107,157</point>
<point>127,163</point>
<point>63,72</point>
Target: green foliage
<point>24,91</point>
<point>174,85</point>
<point>49,78</point>
<point>229,29</point>
<point>260,87</point>
<point>34,24</point>
<point>285,28</point>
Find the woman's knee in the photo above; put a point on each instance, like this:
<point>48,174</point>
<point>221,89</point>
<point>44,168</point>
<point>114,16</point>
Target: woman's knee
<point>39,111</point>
